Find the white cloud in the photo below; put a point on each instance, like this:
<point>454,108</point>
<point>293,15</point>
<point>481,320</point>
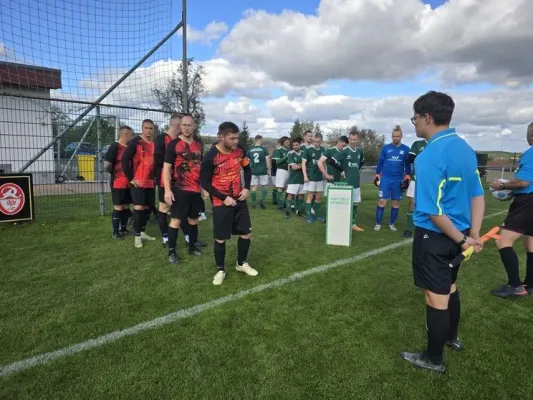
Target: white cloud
<point>211,33</point>
<point>464,41</point>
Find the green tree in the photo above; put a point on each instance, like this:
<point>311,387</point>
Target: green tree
<point>299,127</point>
<point>335,134</point>
<point>244,136</point>
<point>170,94</point>
<point>371,142</point>
<point>317,128</point>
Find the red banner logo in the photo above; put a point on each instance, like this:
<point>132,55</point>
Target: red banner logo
<point>12,199</point>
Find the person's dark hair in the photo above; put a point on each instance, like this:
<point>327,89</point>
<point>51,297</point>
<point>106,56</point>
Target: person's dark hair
<point>319,136</point>
<point>125,128</point>
<point>297,140</point>
<point>186,115</point>
<point>147,121</point>
<point>438,105</point>
<point>308,131</point>
<point>283,139</point>
<point>225,128</point>
<point>258,137</point>
<point>343,139</point>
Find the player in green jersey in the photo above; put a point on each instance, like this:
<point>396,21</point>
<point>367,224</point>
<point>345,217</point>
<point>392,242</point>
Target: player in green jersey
<point>307,142</point>
<point>261,168</point>
<point>282,173</point>
<point>296,179</point>
<point>352,159</point>
<point>416,149</point>
<point>313,177</point>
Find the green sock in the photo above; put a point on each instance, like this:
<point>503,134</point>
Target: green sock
<point>308,207</point>
<point>301,205</point>
<point>254,197</point>
<point>316,207</point>
<point>278,197</point>
<point>410,224</point>
<point>354,213</point>
<point>288,204</point>
<point>264,193</point>
<point>275,196</point>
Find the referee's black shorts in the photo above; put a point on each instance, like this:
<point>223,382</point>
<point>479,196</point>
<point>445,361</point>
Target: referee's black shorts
<point>519,218</point>
<point>432,254</point>
<point>186,205</point>
<point>228,220</point>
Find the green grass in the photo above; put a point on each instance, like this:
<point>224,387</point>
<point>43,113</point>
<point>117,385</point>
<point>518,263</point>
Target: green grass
<point>330,335</point>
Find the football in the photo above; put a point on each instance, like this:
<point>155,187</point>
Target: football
<point>502,195</point>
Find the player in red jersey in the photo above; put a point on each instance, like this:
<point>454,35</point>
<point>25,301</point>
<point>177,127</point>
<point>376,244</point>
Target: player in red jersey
<point>161,143</point>
<point>120,187</point>
<point>221,177</point>
<point>138,166</point>
<point>181,175</point>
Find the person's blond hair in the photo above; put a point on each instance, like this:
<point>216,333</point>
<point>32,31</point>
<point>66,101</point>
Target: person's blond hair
<point>397,129</point>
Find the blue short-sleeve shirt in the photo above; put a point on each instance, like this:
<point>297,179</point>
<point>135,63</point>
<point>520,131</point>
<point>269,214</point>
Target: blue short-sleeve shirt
<point>525,171</point>
<point>447,179</point>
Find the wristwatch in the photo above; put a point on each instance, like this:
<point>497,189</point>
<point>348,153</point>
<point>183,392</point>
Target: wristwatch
<point>463,241</point>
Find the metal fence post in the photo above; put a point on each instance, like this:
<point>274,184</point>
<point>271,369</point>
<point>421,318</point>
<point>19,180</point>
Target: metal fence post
<point>99,160</point>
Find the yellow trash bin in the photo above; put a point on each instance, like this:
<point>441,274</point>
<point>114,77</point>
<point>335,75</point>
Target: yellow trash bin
<point>86,166</point>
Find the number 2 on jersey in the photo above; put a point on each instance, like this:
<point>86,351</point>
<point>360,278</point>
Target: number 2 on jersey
<point>256,158</point>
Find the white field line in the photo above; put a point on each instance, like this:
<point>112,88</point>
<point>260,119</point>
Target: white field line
<point>27,363</point>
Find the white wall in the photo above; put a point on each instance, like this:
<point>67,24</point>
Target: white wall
<point>25,128</point>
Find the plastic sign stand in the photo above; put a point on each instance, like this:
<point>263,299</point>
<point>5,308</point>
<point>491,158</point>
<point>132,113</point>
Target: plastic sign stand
<point>339,215</point>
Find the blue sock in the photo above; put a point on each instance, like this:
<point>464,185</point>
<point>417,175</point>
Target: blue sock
<point>394,215</point>
<point>379,214</point>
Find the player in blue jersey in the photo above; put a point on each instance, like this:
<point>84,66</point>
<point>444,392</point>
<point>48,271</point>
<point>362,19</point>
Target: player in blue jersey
<point>392,177</point>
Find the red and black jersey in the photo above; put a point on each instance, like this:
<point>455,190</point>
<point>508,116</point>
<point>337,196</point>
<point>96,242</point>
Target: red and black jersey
<point>138,162</point>
<point>161,143</point>
<point>221,173</point>
<point>185,159</point>
<point>114,156</point>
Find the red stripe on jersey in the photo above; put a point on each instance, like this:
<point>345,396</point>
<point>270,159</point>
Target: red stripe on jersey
<point>186,169</point>
<point>143,164</point>
<point>227,173</point>
<point>120,181</point>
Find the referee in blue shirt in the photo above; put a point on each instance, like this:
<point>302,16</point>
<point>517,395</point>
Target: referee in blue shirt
<point>449,208</point>
<point>518,223</point>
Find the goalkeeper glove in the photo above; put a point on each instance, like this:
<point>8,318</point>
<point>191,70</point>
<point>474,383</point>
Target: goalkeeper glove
<point>405,184</point>
<point>377,180</point>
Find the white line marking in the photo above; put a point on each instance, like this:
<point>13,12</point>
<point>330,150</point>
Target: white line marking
<point>27,363</point>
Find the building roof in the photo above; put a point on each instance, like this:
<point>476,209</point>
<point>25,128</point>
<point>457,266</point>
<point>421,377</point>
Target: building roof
<point>29,76</point>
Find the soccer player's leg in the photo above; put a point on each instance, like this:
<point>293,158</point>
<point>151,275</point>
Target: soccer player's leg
<point>125,213</point>
<point>242,226</point>
<point>223,217</point>
<point>149,205</point>
<point>195,206</point>
<point>263,182</point>
<point>396,195</point>
<point>383,196</point>
<point>309,217</point>
<point>282,177</point>
<point>117,196</point>
<point>292,194</point>
<point>253,186</point>
<point>411,204</point>
<point>162,217</point>
<point>138,199</point>
<point>319,190</point>
<point>528,282</point>
<point>355,206</point>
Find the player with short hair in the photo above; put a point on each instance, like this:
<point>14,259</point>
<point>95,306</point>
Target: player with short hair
<point>307,141</point>
<point>449,208</point>
<point>221,177</point>
<point>138,165</point>
<point>280,157</point>
<point>120,187</point>
<point>416,149</point>
<point>274,170</point>
<point>295,197</point>
<point>313,177</point>
<point>393,175</point>
<point>261,170</point>
<point>518,223</point>
<point>161,143</point>
<point>352,159</point>
<point>181,175</point>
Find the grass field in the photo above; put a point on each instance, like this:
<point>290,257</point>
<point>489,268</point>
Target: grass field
<point>332,334</point>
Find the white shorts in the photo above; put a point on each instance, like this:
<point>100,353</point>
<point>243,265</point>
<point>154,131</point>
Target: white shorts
<point>315,187</point>
<point>411,190</point>
<point>305,187</point>
<point>259,180</point>
<point>282,176</point>
<point>295,189</point>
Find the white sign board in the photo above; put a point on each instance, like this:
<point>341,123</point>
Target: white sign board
<point>339,215</point>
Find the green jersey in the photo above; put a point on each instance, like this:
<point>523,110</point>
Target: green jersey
<point>257,156</point>
<point>332,152</point>
<point>280,155</point>
<point>416,149</point>
<point>296,176</point>
<point>311,157</point>
<point>351,161</point>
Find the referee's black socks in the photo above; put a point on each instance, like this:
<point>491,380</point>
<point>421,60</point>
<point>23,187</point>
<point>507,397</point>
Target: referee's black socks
<point>438,324</point>
<point>510,262</point>
<point>454,308</point>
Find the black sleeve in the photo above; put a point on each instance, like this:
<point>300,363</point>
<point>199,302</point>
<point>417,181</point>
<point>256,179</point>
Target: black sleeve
<point>170,153</point>
<point>127,158</point>
<point>411,158</point>
<point>159,151</point>
<point>335,164</point>
<point>111,156</point>
<point>247,176</point>
<point>206,174</point>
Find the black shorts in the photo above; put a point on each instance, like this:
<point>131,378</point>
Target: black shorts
<point>519,218</point>
<point>186,205</point>
<point>121,197</point>
<point>161,194</point>
<point>432,254</point>
<point>142,196</point>
<point>229,220</point>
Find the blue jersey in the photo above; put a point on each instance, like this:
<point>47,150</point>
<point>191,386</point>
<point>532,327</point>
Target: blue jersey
<point>392,163</point>
<point>447,179</point>
<point>525,171</point>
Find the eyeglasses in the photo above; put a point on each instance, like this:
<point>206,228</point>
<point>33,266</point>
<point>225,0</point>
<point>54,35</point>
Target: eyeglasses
<point>413,119</point>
